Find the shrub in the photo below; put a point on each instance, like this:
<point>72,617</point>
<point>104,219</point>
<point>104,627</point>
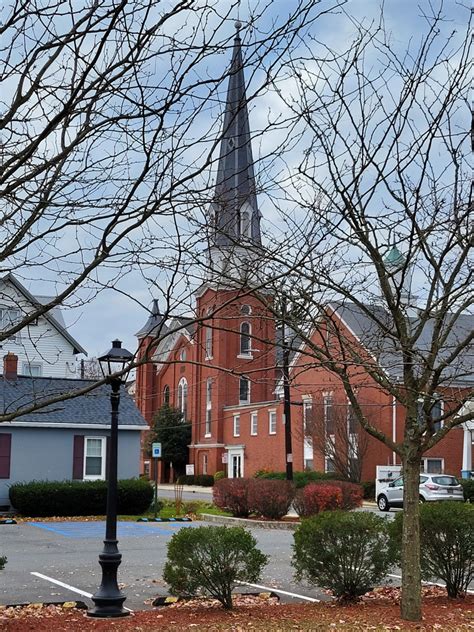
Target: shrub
<point>78,498</point>
<point>447,543</point>
<point>219,475</point>
<point>212,560</point>
<point>369,490</point>
<point>468,488</point>
<point>352,493</point>
<point>270,499</point>
<point>319,497</point>
<point>298,502</point>
<point>204,480</point>
<point>232,494</point>
<point>300,479</point>
<point>348,553</point>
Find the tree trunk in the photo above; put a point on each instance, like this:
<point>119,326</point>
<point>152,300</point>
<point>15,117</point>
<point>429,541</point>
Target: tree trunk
<point>411,576</point>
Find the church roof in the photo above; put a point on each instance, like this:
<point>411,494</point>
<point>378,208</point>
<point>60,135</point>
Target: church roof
<point>154,322</point>
<point>394,258</point>
<point>235,183</point>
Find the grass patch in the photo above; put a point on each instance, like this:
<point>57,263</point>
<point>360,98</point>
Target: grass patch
<point>196,507</point>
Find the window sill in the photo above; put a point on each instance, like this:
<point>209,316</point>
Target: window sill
<point>207,436</point>
<point>254,434</point>
<point>245,356</point>
<point>208,357</point>
<point>271,433</point>
<point>236,435</point>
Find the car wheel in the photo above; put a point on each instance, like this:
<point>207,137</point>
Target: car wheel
<point>382,503</point>
<point>422,500</point>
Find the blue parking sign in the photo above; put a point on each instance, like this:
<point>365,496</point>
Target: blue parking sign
<point>156,450</point>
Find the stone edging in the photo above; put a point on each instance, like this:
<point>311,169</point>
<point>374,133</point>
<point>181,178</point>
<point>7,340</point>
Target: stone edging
<point>245,522</point>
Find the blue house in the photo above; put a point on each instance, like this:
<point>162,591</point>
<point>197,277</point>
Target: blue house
<point>66,440</point>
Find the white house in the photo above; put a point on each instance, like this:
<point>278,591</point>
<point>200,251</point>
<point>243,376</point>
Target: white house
<point>45,348</point>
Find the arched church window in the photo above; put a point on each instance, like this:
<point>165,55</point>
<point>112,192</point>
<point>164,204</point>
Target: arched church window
<point>245,332</point>
<point>166,395</point>
<point>183,397</point>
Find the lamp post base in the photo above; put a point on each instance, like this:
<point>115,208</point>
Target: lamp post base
<point>109,598</point>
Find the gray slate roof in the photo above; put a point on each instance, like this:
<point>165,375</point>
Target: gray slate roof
<point>384,347</point>
<point>235,183</point>
<point>92,408</point>
<point>154,323</point>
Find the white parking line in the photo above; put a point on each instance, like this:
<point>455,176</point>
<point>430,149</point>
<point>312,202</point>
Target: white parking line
<point>471,592</point>
<point>67,586</point>
<point>281,592</point>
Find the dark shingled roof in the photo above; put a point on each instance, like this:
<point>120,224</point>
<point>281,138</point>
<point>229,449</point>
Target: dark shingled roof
<point>154,323</point>
<point>235,183</point>
<point>384,347</point>
<point>92,408</point>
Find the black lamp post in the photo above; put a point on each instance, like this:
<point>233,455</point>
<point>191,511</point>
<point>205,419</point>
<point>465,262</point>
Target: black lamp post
<point>109,599</point>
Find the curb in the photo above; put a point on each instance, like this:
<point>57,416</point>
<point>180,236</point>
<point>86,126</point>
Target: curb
<point>80,605</point>
<point>260,524</point>
<point>164,520</point>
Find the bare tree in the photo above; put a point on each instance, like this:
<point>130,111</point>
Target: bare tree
<point>337,436</point>
<point>378,248</point>
<point>108,146</point>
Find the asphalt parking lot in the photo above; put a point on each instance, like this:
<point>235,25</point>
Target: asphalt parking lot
<point>67,552</point>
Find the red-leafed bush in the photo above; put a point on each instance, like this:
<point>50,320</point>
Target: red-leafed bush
<point>271,498</point>
<point>232,494</point>
<point>317,498</point>
<point>352,493</point>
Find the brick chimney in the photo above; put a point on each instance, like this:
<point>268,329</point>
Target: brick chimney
<point>10,366</point>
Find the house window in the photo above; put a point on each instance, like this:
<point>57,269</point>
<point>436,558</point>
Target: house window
<point>208,342</point>
<point>236,425</point>
<point>244,390</point>
<point>9,316</point>
<point>94,458</point>
<point>329,465</point>
<point>436,412</point>
<point>246,310</point>
<point>308,417</point>
<point>166,395</point>
<point>207,430</point>
<point>432,466</point>
<point>272,422</point>
<point>328,415</point>
<point>182,355</point>
<point>245,332</point>
<point>183,397</point>
<point>352,422</point>
<point>32,369</point>
<point>254,424</point>
<point>204,463</point>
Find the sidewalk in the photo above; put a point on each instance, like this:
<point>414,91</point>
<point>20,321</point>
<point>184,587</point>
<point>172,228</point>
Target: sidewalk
<point>186,488</point>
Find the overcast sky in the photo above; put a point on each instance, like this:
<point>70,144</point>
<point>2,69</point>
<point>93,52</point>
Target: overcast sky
<point>114,314</point>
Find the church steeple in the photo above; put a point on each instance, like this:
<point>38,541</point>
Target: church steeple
<point>236,218</point>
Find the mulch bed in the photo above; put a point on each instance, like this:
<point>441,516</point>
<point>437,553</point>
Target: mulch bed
<point>378,611</point>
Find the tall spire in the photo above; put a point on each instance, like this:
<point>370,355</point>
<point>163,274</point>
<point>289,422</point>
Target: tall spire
<point>236,218</point>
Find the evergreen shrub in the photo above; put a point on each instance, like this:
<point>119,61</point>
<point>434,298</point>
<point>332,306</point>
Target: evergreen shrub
<point>447,543</point>
<point>300,479</point>
<point>212,561</point>
<point>468,488</point>
<point>218,475</point>
<point>369,490</point>
<point>203,480</point>
<point>270,498</point>
<point>78,498</point>
<point>232,494</point>
<point>345,552</point>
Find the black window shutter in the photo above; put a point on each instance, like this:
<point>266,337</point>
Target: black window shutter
<point>5,454</point>
<point>78,458</point>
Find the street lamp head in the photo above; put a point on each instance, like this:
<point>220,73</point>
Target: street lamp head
<point>115,360</point>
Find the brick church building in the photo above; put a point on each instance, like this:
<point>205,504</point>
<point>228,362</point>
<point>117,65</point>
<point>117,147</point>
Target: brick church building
<point>222,368</point>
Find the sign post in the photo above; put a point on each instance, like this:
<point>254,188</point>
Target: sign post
<point>156,454</point>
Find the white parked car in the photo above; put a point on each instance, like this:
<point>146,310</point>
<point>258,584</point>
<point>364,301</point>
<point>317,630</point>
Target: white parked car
<point>432,487</point>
